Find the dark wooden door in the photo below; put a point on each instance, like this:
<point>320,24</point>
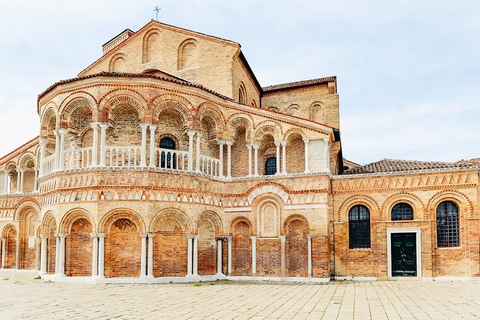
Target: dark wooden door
<point>404,254</point>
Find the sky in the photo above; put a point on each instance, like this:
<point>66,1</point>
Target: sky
<point>408,71</point>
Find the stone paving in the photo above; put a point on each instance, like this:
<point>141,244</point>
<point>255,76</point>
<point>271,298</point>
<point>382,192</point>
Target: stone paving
<point>23,297</point>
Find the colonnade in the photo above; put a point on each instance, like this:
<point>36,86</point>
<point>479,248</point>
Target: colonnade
<point>98,159</point>
<point>6,184</point>
<point>146,266</point>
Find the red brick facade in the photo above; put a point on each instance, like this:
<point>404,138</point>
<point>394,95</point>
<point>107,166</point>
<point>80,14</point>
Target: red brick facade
<point>140,172</point>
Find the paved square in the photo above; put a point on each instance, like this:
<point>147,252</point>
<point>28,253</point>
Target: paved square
<point>23,297</point>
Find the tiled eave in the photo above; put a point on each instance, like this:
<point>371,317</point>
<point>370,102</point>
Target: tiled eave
<point>406,172</point>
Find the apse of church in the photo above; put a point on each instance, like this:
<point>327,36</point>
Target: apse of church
<point>165,160</point>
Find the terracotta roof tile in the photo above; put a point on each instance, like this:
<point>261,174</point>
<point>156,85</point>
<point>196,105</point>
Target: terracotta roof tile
<point>298,84</point>
<point>391,165</point>
<point>169,78</point>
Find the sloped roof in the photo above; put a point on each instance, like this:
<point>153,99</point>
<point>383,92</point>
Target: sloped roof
<point>392,165</point>
<point>299,84</point>
<point>165,77</point>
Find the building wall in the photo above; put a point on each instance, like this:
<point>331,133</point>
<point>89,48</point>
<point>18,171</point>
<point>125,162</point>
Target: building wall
<point>424,192</point>
<point>211,65</point>
<point>318,103</point>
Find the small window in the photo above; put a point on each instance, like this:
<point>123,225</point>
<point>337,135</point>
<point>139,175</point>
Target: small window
<point>167,159</point>
<point>402,211</point>
<point>448,234</point>
<point>271,166</point>
<point>359,227</point>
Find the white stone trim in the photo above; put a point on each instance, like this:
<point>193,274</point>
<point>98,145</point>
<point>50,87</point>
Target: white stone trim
<point>418,253</point>
<point>268,189</point>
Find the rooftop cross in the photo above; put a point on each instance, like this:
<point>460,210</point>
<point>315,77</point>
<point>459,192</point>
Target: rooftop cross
<point>157,10</point>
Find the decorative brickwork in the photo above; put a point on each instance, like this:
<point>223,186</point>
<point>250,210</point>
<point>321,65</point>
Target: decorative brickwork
<point>79,244</point>
<point>167,147</point>
<point>242,257</point>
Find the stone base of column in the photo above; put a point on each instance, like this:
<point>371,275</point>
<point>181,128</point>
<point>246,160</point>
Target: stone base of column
<point>193,277</point>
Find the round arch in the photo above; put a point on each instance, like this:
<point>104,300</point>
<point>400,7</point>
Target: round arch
<point>269,127</point>
<point>171,214</point>
<point>175,102</point>
<point>213,218</point>
<point>48,223</point>
<point>120,213</point>
<point>24,205</point>
<point>402,197</point>
<point>347,204</point>
<point>122,96</point>
<point>73,215</point>
<point>6,229</point>
<point>461,200</point>
<point>240,120</point>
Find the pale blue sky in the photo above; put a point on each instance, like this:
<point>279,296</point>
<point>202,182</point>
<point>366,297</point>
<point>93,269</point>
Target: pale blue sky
<point>408,71</point>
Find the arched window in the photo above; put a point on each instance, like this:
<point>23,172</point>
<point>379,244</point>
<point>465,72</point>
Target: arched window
<point>242,94</point>
<point>359,227</point>
<point>167,159</point>
<point>448,234</point>
<point>402,211</point>
<point>271,166</point>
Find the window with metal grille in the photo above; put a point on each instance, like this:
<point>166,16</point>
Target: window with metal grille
<point>167,159</point>
<point>402,211</point>
<point>448,229</point>
<point>271,166</point>
<point>359,227</point>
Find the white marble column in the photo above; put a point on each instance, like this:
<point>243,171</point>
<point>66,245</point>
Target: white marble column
<point>195,254</point>
<point>3,252</point>
<point>309,243</point>
<point>143,257</point>
<point>219,255</point>
<point>101,254</point>
<point>17,253</point>
<point>249,147</point>
<point>103,143</point>
<point>283,256</point>
<point>229,258</point>
<point>43,255</point>
<point>189,254</point>
<point>19,180</point>
<point>63,133</point>
<point>197,155</point>
<point>284,157</point>
<point>229,159</point>
<point>190,150</point>
<point>57,252</point>
<point>6,182</point>
<point>221,143</point>
<point>61,270</point>
<point>256,147</point>
<point>327,154</point>
<point>152,145</point>
<point>94,254</point>
<point>38,253</point>
<point>43,145</point>
<point>94,144</point>
<point>254,255</point>
<point>57,150</point>
<point>150,256</point>
<point>277,144</point>
<point>35,184</point>
<point>307,169</point>
<point>143,149</point>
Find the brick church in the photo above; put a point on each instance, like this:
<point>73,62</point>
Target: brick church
<point>165,160</point>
